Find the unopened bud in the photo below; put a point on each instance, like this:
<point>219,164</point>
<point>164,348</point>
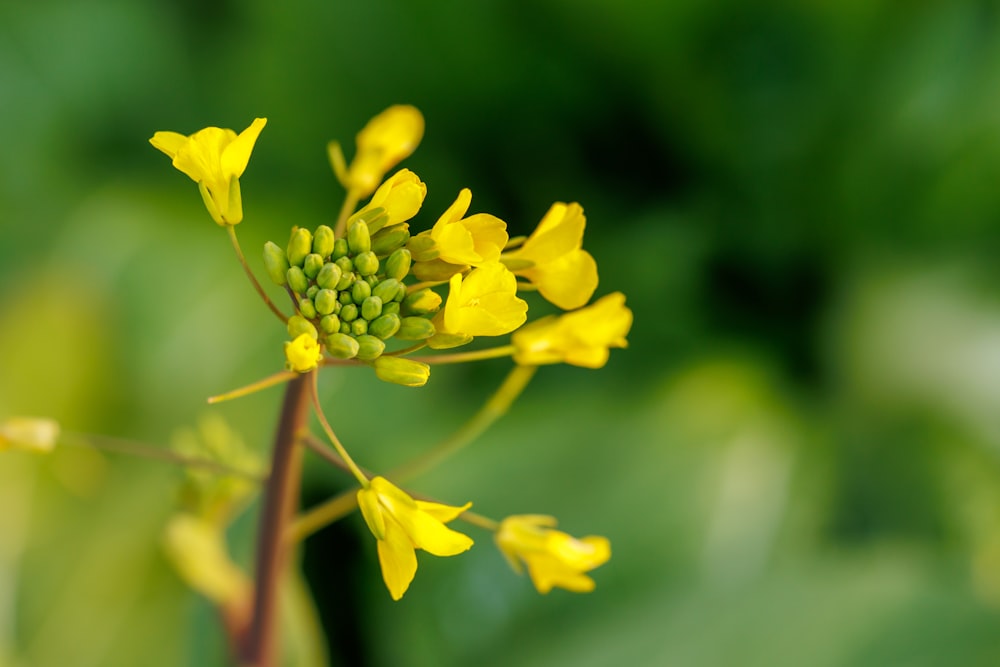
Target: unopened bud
<point>391,307</point>
<point>387,290</point>
<point>312,291</point>
<point>359,239</point>
<point>330,324</point>
<point>276,263</point>
<point>402,371</point>
<point>348,313</point>
<point>422,247</point>
<point>323,241</point>
<point>360,291</point>
<point>312,264</point>
<point>371,308</point>
<point>421,302</point>
<point>366,263</point>
<point>299,246</point>
<point>436,270</point>
<point>329,276</point>
<point>385,326</point>
<point>415,328</point>
<point>307,308</point>
<point>35,434</point>
<point>359,327</point>
<point>386,240</point>
<point>341,346</point>
<point>340,249</point>
<point>369,347</point>
<point>325,301</point>
<point>298,325</point>
<point>297,280</point>
<point>398,264</point>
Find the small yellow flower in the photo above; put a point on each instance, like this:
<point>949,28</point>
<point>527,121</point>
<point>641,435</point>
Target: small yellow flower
<point>580,338</point>
<point>553,260</point>
<point>388,138</point>
<point>303,354</point>
<point>32,434</point>
<point>401,525</point>
<point>475,240</point>
<point>401,195</point>
<point>215,159</point>
<point>553,558</point>
<point>484,303</point>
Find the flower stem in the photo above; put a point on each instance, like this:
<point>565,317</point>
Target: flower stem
<point>462,357</point>
<point>280,500</point>
<point>253,279</point>
<point>350,201</point>
<point>270,381</point>
<point>351,465</point>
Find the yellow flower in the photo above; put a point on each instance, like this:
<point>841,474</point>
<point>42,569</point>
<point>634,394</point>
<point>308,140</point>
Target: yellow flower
<point>484,303</point>
<point>553,260</point>
<point>472,241</point>
<point>401,525</point>
<point>198,552</point>
<point>32,434</point>
<point>387,139</point>
<point>580,338</point>
<point>303,353</point>
<point>215,159</point>
<point>553,558</point>
<point>401,195</point>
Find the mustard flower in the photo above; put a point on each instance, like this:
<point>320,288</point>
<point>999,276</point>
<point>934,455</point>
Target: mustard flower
<point>580,338</point>
<point>484,303</point>
<point>472,241</point>
<point>401,525</point>
<point>401,195</point>
<point>553,558</point>
<point>553,260</point>
<point>32,434</point>
<point>303,354</point>
<point>215,159</point>
<point>388,138</point>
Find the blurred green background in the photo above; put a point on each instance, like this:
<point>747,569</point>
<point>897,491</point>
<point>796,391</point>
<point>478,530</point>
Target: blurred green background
<point>796,460</point>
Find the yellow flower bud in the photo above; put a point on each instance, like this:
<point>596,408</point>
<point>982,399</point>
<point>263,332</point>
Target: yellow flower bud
<point>276,263</point>
<point>33,434</point>
<point>422,302</point>
<point>303,354</point>
<point>402,371</point>
<point>581,338</point>
<point>387,139</point>
<point>400,196</point>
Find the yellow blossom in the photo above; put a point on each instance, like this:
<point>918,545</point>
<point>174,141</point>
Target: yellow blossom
<point>215,159</point>
<point>197,550</point>
<point>553,260</point>
<point>580,338</point>
<point>472,241</point>
<point>33,434</point>
<point>401,525</point>
<point>401,195</point>
<point>387,139</point>
<point>484,303</point>
<point>303,353</point>
<point>553,558</point>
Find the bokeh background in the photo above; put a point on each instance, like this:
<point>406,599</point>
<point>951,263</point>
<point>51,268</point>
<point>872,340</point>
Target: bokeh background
<point>798,458</point>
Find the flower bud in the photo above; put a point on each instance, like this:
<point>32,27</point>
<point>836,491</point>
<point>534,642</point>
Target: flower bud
<point>422,247</point>
<point>371,308</point>
<point>402,371</point>
<point>446,341</point>
<point>307,308</point>
<point>303,354</point>
<point>330,324</point>
<point>341,346</point>
<point>349,313</point>
<point>325,301</point>
<point>436,270</point>
<point>387,290</point>
<point>323,241</point>
<point>422,302</point>
<point>385,326</point>
<point>346,280</point>
<point>35,434</point>
<point>340,249</point>
<point>414,328</point>
<point>386,240</point>
<point>298,325</point>
<point>398,264</point>
<point>359,239</point>
<point>360,291</point>
<point>297,280</point>
<point>329,276</point>
<point>366,263</point>
<point>299,246</point>
<point>369,347</point>
<point>391,307</point>
<point>312,264</point>
<point>312,291</point>
<point>344,297</point>
<point>276,263</point>
<point>359,327</point>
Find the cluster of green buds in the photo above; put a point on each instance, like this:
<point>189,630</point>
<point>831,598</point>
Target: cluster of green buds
<point>349,293</point>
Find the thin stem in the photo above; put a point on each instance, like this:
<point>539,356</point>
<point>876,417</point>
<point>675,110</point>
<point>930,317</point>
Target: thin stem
<point>280,501</point>
<point>479,520</point>
<point>346,209</point>
<point>352,466</point>
<point>416,287</point>
<point>462,357</point>
<point>270,381</point>
<point>253,279</point>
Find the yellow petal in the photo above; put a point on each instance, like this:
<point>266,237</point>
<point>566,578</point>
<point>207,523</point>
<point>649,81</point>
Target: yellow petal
<point>568,281</point>
<point>397,559</point>
<point>484,303</point>
<point>372,512</point>
<point>443,513</point>
<point>236,155</point>
<point>168,142</point>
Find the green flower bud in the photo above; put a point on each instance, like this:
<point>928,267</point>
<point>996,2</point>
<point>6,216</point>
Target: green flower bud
<point>391,307</point>
<point>359,327</point>
<point>359,239</point>
<point>422,247</point>
<point>385,241</point>
<point>325,301</point>
<point>348,313</point>
<point>372,280</point>
<point>330,324</point>
<point>298,325</point>
<point>367,215</point>
<point>385,326</point>
<point>276,263</point>
<point>341,346</point>
<point>366,263</point>
<point>406,372</point>
<point>360,291</point>
<point>312,292</point>
<point>387,290</point>
<point>339,249</point>
<point>398,264</point>
<point>371,308</point>
<point>344,297</point>
<point>297,280</point>
<point>345,328</point>
<point>307,308</point>
<point>422,302</point>
<point>345,264</point>
<point>446,341</point>
<point>299,246</point>
<point>414,328</point>
<point>312,264</point>
<point>329,276</point>
<point>436,270</point>
<point>323,241</point>
<point>346,280</point>
<point>369,347</point>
